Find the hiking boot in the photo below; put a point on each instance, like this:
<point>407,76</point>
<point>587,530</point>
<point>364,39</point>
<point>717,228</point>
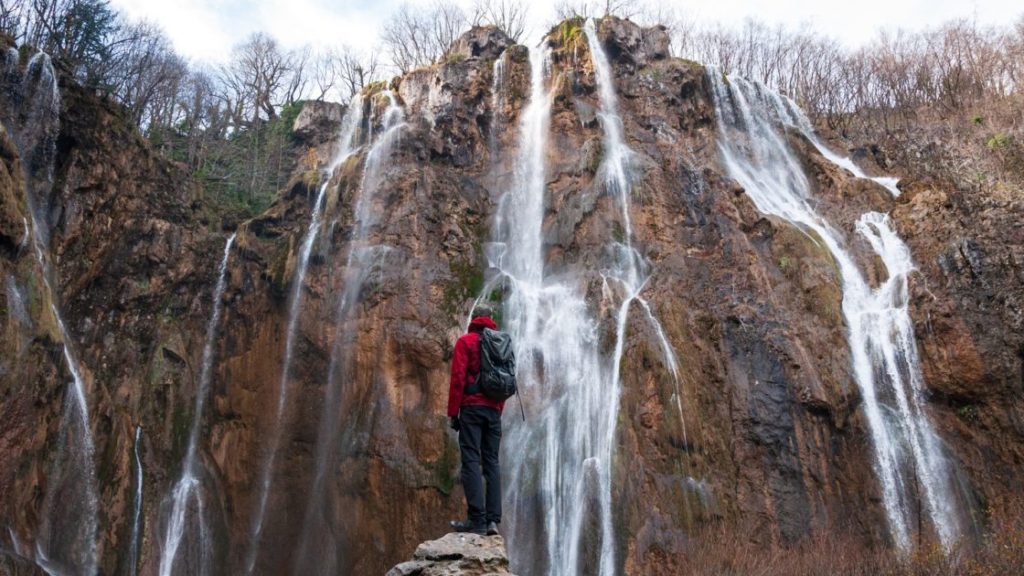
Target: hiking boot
<point>467,526</point>
<point>492,528</point>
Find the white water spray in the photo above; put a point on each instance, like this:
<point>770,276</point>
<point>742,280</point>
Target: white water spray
<point>880,332</point>
<point>560,367</point>
<point>187,486</point>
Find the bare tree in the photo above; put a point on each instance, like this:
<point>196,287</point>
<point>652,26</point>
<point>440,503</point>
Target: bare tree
<point>356,71</point>
<point>417,37</point>
<point>668,14</point>
<point>566,9</point>
<point>13,14</point>
<point>508,15</point>
<point>295,81</point>
<point>143,72</point>
<point>342,73</point>
<point>257,75</point>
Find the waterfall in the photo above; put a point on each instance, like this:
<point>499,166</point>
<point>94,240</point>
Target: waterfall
<point>346,147</point>
<point>66,542</point>
<point>133,546</point>
<point>565,526</point>
<point>880,332</point>
<point>319,533</point>
<point>187,486</point>
<point>631,271</point>
<point>559,363</point>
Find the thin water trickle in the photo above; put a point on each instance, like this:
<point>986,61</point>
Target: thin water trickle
<point>498,87</point>
<point>346,147</point>
<point>188,484</point>
<point>498,98</point>
<point>16,303</point>
<point>133,546</point>
<point>631,272</point>
<point>880,332</point>
<point>282,396</point>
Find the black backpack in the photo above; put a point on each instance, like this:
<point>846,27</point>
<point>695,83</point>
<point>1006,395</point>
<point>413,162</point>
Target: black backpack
<point>497,379</point>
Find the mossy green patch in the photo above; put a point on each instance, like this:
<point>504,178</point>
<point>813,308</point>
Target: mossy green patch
<point>444,469</point>
<point>570,33</point>
<point>375,87</point>
<point>278,269</point>
<point>801,255</point>
<point>455,58</point>
<point>968,412</point>
<point>467,280</point>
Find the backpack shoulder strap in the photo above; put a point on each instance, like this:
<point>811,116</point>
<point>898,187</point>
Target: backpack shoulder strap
<point>474,387</point>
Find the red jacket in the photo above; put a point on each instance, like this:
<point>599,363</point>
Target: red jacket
<point>466,369</point>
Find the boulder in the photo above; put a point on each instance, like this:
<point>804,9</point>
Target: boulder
<point>457,554</point>
<point>487,42</point>
<point>318,122</point>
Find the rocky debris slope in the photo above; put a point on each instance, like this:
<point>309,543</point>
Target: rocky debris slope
<point>457,554</point>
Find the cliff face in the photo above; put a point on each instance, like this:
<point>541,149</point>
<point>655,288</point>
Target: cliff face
<point>761,432</point>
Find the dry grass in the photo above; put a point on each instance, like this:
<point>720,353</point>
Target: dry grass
<point>999,553</point>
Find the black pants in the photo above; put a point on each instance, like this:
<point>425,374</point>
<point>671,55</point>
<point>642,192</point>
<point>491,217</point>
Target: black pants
<point>479,439</point>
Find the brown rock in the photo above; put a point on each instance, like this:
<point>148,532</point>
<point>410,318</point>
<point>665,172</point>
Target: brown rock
<point>318,122</point>
<point>485,42</point>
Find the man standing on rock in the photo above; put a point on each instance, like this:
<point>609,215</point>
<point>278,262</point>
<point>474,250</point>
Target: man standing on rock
<point>477,418</point>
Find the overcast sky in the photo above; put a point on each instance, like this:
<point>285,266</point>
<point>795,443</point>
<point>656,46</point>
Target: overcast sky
<point>205,30</point>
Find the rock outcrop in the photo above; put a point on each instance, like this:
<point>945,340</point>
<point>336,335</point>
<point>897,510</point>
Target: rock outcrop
<point>457,554</point>
<point>760,433</point>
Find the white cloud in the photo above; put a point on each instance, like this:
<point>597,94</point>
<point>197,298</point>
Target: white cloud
<point>205,30</point>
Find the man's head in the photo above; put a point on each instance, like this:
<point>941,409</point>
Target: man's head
<point>482,310</point>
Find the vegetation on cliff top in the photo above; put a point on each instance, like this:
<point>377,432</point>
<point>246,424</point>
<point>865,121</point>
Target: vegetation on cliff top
<point>928,97</point>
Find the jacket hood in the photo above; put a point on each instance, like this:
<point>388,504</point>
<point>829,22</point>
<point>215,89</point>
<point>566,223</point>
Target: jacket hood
<point>481,322</point>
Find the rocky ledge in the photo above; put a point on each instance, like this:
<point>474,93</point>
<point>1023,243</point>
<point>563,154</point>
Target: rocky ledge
<point>457,555</point>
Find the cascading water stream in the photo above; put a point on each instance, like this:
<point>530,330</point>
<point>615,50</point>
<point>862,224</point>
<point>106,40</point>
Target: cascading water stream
<point>631,270</point>
<point>498,98</point>
<point>133,546</point>
<point>319,532</point>
<point>187,486</point>
<point>349,129</point>
<point>788,113</point>
<point>565,526</point>
<point>880,332</point>
<point>16,302</point>
<point>66,543</point>
<point>560,367</point>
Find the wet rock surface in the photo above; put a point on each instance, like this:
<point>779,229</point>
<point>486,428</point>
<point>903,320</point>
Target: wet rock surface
<point>761,433</point>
